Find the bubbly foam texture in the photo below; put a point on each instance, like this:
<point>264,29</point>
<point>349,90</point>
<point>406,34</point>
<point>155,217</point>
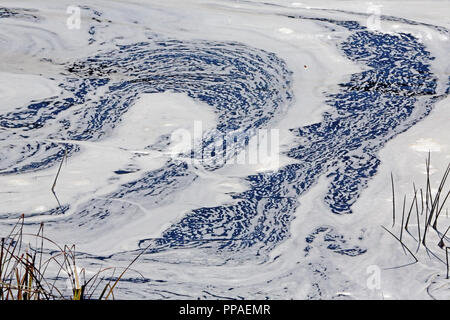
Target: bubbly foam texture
<point>107,99</point>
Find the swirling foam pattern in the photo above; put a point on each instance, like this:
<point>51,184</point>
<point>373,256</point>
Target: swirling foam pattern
<point>370,109</point>
<point>248,89</point>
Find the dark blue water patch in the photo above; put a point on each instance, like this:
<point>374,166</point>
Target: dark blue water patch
<point>346,24</point>
<point>157,182</point>
<point>32,154</point>
<point>328,238</point>
<point>37,114</point>
<point>124,171</point>
<point>51,212</point>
